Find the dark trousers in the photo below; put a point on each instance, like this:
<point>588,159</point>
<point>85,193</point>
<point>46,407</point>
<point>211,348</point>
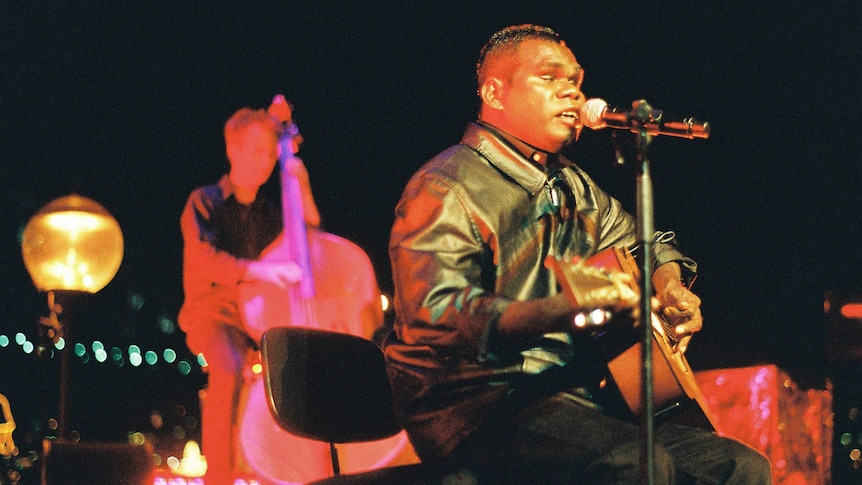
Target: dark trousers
<point>559,441</point>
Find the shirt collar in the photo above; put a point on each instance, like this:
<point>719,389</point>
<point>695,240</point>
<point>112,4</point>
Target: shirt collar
<point>227,190</point>
<point>226,186</point>
<point>529,152</point>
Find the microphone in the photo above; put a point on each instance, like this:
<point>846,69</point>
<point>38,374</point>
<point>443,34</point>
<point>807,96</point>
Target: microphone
<point>596,114</point>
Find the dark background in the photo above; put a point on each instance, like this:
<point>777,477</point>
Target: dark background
<point>125,104</point>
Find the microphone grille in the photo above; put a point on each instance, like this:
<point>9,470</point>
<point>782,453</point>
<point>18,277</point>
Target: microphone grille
<point>591,113</point>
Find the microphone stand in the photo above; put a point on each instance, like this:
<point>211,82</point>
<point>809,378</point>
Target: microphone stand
<point>644,122</point>
<point>642,114</point>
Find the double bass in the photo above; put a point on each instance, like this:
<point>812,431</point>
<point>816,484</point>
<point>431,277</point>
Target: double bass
<point>337,291</point>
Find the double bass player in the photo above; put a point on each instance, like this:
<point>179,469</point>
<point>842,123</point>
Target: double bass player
<point>225,227</point>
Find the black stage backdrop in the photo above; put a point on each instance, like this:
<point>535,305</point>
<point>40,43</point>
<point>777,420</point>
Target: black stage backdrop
<point>125,104</point>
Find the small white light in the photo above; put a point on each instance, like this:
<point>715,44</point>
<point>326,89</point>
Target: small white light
<point>580,320</point>
<point>598,316</point>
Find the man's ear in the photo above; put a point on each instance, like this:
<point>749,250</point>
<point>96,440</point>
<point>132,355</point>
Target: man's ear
<point>491,93</point>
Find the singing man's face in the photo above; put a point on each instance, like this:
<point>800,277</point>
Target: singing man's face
<point>540,95</point>
<point>252,154</point>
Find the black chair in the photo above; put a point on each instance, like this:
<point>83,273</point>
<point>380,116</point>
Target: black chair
<point>332,387</point>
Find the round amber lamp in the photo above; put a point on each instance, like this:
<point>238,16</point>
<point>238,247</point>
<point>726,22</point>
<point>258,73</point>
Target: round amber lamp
<point>73,243</point>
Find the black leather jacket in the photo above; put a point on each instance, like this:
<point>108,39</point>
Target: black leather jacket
<point>471,233</point>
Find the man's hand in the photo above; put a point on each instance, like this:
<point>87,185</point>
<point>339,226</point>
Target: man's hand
<point>676,303</point>
<point>617,293</point>
<point>681,308</point>
<point>282,273</point>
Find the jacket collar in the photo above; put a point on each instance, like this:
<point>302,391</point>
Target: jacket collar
<point>500,151</point>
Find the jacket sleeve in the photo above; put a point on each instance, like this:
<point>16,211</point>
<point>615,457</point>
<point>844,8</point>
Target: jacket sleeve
<point>612,226</point>
<point>666,249</point>
<point>437,259</point>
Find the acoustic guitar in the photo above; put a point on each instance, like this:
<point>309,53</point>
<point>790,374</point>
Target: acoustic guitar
<point>676,393</point>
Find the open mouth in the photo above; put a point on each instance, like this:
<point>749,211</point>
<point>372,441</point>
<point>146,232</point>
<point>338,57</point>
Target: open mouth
<point>572,117</point>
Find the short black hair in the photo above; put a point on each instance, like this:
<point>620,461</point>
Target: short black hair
<point>507,41</point>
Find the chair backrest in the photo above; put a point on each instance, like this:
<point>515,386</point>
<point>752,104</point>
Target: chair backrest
<point>327,386</point>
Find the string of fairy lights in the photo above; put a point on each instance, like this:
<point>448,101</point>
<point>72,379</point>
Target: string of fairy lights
<point>97,352</point>
<point>167,430</point>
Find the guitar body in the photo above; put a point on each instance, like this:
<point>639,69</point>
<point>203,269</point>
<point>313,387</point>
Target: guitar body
<point>676,394</point>
<point>345,293</point>
<point>345,299</point>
